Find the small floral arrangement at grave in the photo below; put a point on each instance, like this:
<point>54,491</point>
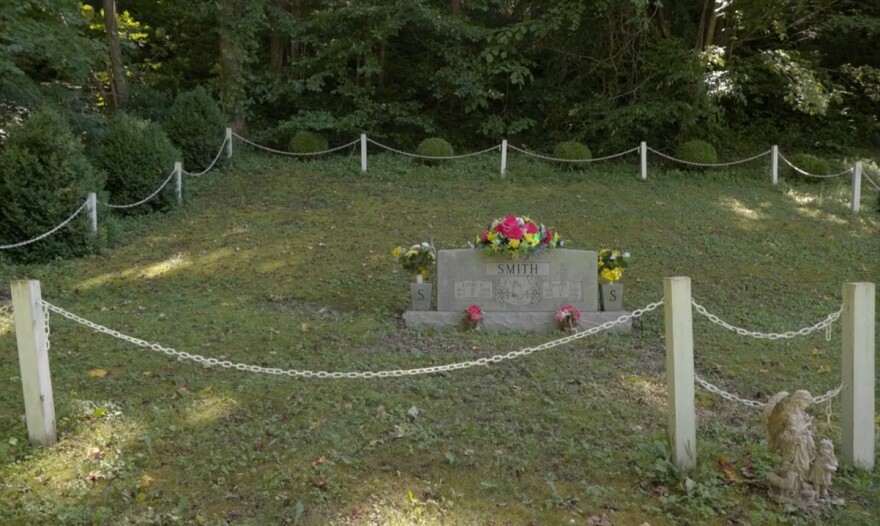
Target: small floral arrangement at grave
<point>517,237</point>
<point>611,264</point>
<point>568,317</point>
<point>474,316</point>
<point>416,259</point>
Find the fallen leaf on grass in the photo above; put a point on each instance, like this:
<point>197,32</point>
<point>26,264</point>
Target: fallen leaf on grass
<point>599,520</point>
<point>95,453</point>
<point>318,461</point>
<point>97,373</point>
<point>727,469</point>
<point>145,482</point>
<point>94,476</point>
<point>305,327</point>
<point>747,468</point>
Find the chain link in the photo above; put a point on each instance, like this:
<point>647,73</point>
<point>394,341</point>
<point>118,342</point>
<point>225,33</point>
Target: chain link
<point>438,157</point>
<point>144,200</point>
<point>208,169</point>
<point>294,154</point>
<point>49,233</point>
<point>46,325</point>
<point>731,163</point>
<point>4,308</point>
<point>824,324</point>
<point>808,174</point>
<point>821,399</point>
<point>295,373</point>
<point>558,159</point>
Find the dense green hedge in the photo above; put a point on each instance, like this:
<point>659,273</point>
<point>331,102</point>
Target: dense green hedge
<point>435,147</point>
<point>44,178</point>
<point>572,151</point>
<point>137,157</point>
<point>810,164</point>
<point>196,126</point>
<point>697,151</point>
<point>308,142</point>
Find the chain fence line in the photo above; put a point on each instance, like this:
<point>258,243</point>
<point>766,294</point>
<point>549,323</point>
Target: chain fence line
<point>808,174</point>
<point>50,232</point>
<point>294,154</point>
<point>558,159</point>
<point>436,157</point>
<point>731,163</point>
<point>144,200</point>
<point>875,185</point>
<point>4,308</point>
<point>825,323</point>
<point>210,166</point>
<point>296,373</point>
<point>733,397</point>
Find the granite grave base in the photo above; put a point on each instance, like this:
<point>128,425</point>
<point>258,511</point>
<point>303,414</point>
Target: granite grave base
<point>511,321</point>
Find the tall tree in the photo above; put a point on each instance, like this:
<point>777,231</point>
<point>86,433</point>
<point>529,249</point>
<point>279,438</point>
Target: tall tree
<point>118,82</point>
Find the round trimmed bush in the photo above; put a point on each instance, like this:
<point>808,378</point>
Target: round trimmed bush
<point>308,142</point>
<point>196,126</point>
<point>697,151</point>
<point>572,151</point>
<point>44,178</point>
<point>435,147</point>
<point>137,157</point>
<point>810,164</point>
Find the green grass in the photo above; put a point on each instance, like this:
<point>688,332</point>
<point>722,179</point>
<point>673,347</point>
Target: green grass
<point>287,264</point>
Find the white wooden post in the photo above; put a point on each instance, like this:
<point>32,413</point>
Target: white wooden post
<point>503,157</point>
<point>92,208</point>
<point>33,358</point>
<point>680,371</point>
<point>774,174</point>
<point>643,149</point>
<point>857,187</point>
<point>228,143</point>
<point>857,397</point>
<point>363,153</point>
<point>178,181</point>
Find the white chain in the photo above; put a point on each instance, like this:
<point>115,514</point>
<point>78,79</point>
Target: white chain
<point>592,160</point>
<point>211,362</point>
<point>754,403</point>
<point>4,308</point>
<point>208,169</point>
<point>49,233</point>
<point>808,174</point>
<point>824,324</point>
<point>294,154</point>
<point>144,200</point>
<point>438,157</point>
<point>731,163</point>
<point>871,181</point>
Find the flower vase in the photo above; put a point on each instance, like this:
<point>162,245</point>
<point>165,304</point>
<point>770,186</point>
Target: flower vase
<point>570,325</point>
<point>420,293</point>
<point>612,296</point>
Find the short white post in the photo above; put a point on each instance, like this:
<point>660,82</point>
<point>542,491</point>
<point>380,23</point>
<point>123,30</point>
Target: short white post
<point>857,187</point>
<point>33,358</point>
<point>680,371</point>
<point>503,157</point>
<point>178,181</point>
<point>643,149</point>
<point>363,153</point>
<point>228,143</point>
<point>857,397</point>
<point>92,208</point>
<point>774,174</point>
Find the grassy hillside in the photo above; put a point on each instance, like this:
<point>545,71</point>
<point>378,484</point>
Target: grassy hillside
<point>287,264</point>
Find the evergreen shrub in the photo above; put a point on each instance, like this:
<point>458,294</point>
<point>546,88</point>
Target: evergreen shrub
<point>137,157</point>
<point>148,103</point>
<point>810,164</point>
<point>435,147</point>
<point>196,126</point>
<point>697,151</point>
<point>44,178</point>
<point>572,151</point>
<point>308,142</point>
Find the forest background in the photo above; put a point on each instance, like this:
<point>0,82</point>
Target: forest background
<point>742,74</point>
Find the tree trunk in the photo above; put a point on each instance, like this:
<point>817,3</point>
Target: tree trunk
<point>698,45</point>
<point>231,57</point>
<point>710,27</point>
<point>118,82</point>
<point>276,46</point>
<point>456,6</point>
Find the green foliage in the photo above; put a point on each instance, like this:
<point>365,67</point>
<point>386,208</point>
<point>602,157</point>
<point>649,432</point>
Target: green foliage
<point>308,142</point>
<point>44,178</point>
<point>697,151</point>
<point>148,103</point>
<point>811,164</point>
<point>435,147</point>
<point>572,150</point>
<point>196,126</point>
<point>137,157</point>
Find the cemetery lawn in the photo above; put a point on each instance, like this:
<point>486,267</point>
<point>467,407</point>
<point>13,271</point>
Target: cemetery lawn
<point>288,264</point>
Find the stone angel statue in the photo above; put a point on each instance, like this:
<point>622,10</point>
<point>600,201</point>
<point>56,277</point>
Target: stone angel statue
<point>790,433</point>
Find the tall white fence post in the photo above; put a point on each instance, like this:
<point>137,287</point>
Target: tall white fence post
<point>680,371</point>
<point>178,181</point>
<point>643,150</point>
<point>503,157</point>
<point>363,153</point>
<point>774,174</point>
<point>33,358</point>
<point>857,397</point>
<point>228,143</point>
<point>92,208</point>
<point>857,187</point>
